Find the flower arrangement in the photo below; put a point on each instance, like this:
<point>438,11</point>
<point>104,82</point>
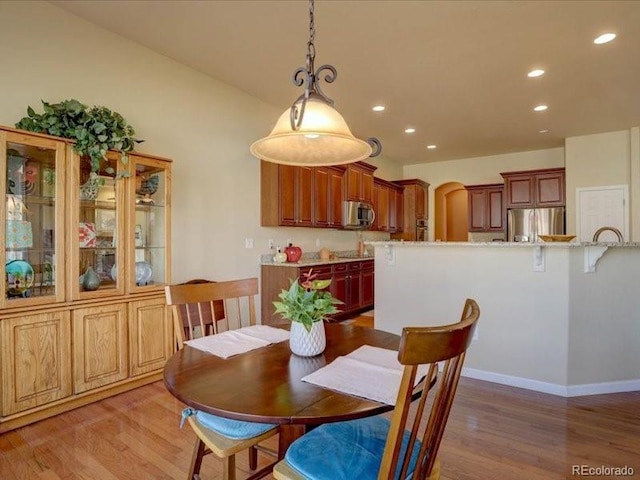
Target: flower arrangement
<point>307,301</point>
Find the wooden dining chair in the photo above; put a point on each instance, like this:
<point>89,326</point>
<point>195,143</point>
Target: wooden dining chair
<point>196,307</point>
<point>401,448</point>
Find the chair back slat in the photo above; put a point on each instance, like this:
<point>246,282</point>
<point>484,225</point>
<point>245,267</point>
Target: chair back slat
<point>198,307</point>
<point>426,346</point>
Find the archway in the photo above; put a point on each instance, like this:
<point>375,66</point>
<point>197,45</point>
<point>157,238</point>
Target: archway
<point>450,212</point>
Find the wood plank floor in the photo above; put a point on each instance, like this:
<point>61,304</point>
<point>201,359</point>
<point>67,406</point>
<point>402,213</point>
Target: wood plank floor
<point>494,432</point>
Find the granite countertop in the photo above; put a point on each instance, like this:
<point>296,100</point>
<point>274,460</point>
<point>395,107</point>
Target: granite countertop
<point>313,258</point>
<point>505,244</point>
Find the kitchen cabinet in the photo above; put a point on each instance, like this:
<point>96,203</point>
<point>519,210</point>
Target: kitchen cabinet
<point>415,201</point>
<point>351,282</point>
<point>151,341</point>
<point>82,250</point>
<point>387,205</point>
<point>485,208</point>
<point>298,196</point>
<point>535,188</point>
<point>359,182</point>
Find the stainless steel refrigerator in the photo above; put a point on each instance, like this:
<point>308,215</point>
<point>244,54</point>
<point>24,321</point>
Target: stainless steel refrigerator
<point>525,224</point>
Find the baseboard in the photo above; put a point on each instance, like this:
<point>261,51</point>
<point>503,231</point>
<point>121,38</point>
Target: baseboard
<point>552,388</point>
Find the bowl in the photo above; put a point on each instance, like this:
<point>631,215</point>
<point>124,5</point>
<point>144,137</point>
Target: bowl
<point>556,238</point>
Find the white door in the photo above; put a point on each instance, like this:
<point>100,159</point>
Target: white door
<point>603,207</point>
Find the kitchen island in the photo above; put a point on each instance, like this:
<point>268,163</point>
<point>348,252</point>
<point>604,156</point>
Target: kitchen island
<point>561,318</point>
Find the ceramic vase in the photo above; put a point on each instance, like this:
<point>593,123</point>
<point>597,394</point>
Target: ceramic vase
<point>89,189</point>
<point>307,344</point>
<point>90,280</point>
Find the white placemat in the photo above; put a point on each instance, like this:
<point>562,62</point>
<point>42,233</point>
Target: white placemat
<point>369,372</point>
<point>235,342</point>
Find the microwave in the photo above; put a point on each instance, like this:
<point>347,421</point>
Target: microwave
<point>357,215</point>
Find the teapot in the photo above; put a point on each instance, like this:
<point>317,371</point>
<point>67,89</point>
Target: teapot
<point>293,253</point>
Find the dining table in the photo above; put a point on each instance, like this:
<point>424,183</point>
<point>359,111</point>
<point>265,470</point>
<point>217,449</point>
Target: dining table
<point>265,384</point>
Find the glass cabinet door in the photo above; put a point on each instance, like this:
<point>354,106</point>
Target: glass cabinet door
<point>31,219</point>
<point>148,242</point>
<point>98,214</point>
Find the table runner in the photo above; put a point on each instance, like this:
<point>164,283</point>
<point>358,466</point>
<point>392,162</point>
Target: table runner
<point>235,342</point>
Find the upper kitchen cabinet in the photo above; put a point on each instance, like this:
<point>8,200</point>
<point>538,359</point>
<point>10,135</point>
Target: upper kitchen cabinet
<point>535,188</point>
<point>32,219</point>
<point>416,210</point>
<point>297,196</point>
<point>485,207</point>
<point>388,206</point>
<point>359,182</point>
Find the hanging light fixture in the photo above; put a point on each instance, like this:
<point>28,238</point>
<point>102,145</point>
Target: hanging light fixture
<point>311,131</point>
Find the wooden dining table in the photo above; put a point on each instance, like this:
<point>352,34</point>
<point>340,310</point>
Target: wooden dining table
<point>264,385</point>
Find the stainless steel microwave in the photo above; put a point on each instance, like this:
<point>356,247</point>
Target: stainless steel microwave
<point>357,215</point>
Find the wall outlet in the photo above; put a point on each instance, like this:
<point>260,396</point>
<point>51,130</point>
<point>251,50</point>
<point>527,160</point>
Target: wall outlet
<point>248,243</point>
<point>317,243</point>
<point>271,244</point>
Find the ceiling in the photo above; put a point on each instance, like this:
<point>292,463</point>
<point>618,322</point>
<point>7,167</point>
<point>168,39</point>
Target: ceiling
<point>456,71</point>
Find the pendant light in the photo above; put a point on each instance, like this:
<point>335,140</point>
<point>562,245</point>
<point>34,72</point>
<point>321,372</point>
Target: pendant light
<point>311,132</point>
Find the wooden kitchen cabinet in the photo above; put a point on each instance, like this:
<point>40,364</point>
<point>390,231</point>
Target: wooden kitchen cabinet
<point>65,341</point>
<point>296,196</point>
<point>485,208</point>
<point>359,182</point>
<point>387,205</point>
<point>351,282</point>
<point>415,201</point>
<point>99,346</point>
<point>36,360</point>
<point>535,188</point>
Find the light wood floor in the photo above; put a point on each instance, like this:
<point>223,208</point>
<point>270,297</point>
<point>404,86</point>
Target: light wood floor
<point>494,433</point>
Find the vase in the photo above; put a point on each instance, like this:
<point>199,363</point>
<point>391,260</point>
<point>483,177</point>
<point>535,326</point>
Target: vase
<point>89,189</point>
<point>90,280</point>
<point>307,344</point>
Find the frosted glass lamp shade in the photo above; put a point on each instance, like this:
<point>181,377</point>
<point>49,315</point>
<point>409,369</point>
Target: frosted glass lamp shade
<point>323,139</point>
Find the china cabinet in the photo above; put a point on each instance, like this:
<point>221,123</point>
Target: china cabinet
<point>85,258</point>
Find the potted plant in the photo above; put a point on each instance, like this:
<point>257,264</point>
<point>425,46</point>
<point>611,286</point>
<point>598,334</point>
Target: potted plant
<point>95,130</point>
<point>306,304</point>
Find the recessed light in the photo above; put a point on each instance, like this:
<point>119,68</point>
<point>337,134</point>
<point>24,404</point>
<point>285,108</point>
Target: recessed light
<point>431,147</point>
<point>378,108</point>
<point>409,130</point>
<point>535,73</point>
<point>540,108</point>
<point>544,130</point>
<point>604,38</point>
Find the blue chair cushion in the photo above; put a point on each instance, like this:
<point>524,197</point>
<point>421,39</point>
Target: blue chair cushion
<point>346,450</point>
<point>233,429</point>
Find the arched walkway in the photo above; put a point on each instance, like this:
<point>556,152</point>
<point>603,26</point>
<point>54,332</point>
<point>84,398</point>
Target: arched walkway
<point>450,213</point>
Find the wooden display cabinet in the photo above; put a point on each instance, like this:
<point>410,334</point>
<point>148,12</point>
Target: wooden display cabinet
<point>66,341</point>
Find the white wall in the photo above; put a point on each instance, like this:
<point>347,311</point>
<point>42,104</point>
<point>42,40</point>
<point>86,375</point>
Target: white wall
<point>205,126</point>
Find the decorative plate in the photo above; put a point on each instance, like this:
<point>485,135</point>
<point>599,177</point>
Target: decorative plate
<point>144,272</point>
<point>19,277</point>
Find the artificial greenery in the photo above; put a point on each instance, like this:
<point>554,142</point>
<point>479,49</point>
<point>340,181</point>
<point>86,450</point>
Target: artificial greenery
<point>95,130</point>
<point>307,302</point>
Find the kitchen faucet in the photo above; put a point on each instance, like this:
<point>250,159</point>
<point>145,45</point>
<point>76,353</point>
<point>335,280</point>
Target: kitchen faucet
<point>604,229</point>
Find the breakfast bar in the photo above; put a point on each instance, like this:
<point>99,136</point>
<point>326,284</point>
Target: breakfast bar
<point>560,318</point>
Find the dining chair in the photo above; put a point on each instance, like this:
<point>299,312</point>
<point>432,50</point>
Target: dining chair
<point>402,447</point>
<point>197,307</point>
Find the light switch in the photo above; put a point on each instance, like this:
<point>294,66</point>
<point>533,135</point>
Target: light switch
<point>248,243</point>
